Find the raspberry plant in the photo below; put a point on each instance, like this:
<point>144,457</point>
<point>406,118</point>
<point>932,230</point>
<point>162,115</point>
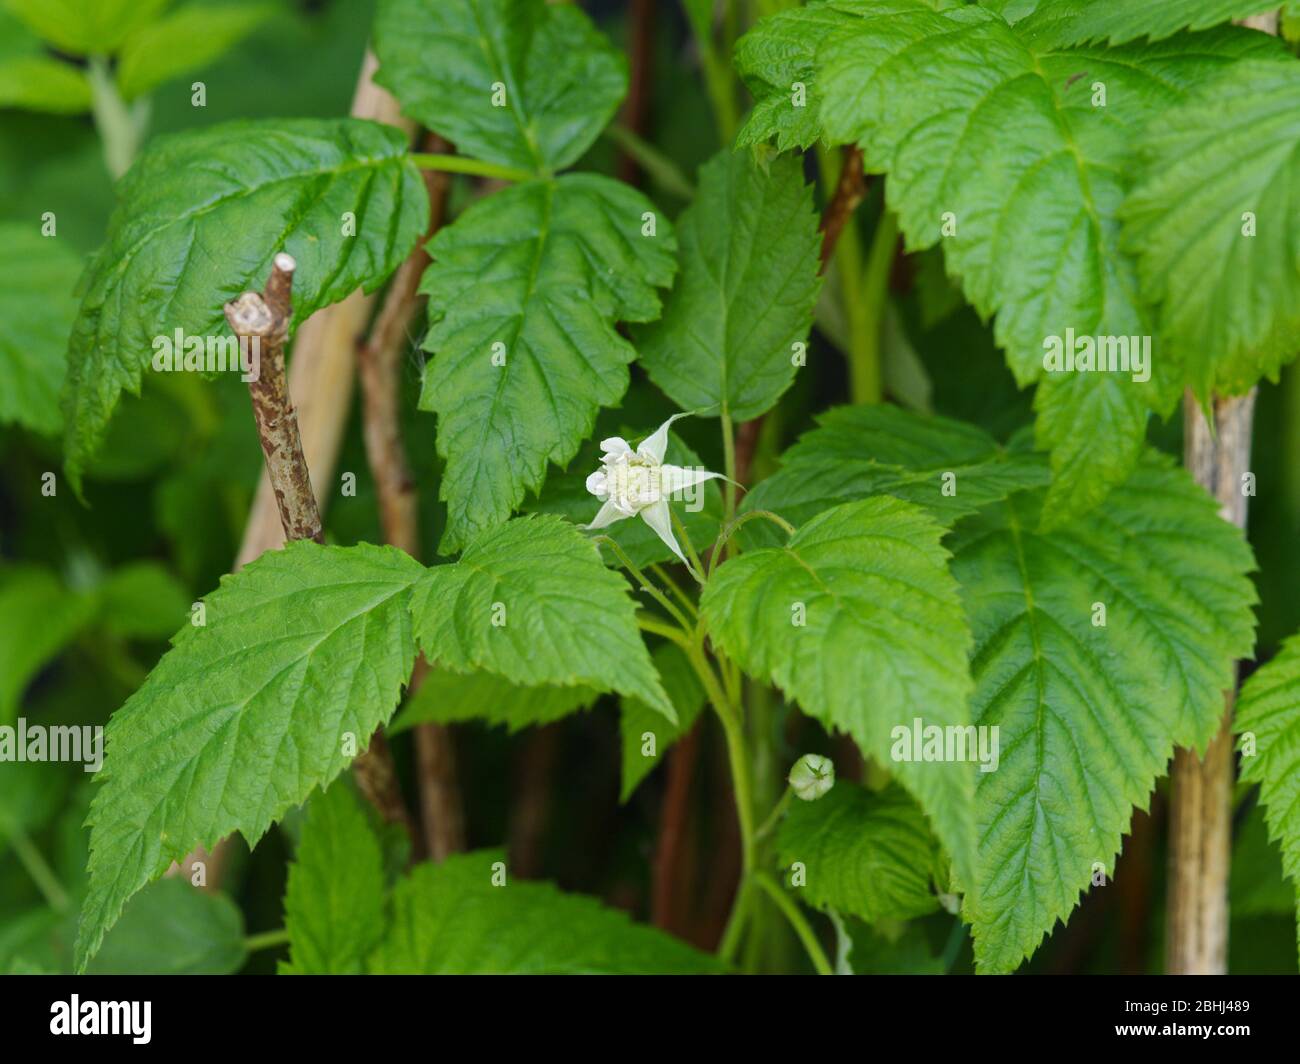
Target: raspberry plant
<point>849,532</point>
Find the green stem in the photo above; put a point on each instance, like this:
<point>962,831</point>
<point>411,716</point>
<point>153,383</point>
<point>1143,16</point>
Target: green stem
<point>460,164</point>
<point>121,127</point>
<point>695,568</point>
<point>866,306</point>
<point>687,602</point>
<point>37,867</point>
<point>649,624</point>
<point>729,464</point>
<point>654,162</point>
<point>266,940</point>
<point>734,526</point>
<point>654,592</point>
<point>718,83</point>
<point>774,817</point>
<point>797,920</point>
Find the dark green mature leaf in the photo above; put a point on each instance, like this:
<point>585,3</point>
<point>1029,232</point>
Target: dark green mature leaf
<point>35,602</point>
<point>749,261</point>
<point>1257,885</point>
<point>869,582</point>
<point>172,928</point>
<point>447,697</point>
<point>183,41</point>
<point>860,451</point>
<point>37,306</point>
<point>532,602</point>
<point>445,60</point>
<point>640,725</point>
<point>451,919</point>
<point>1215,225</point>
<point>544,270</point>
<point>1269,708</point>
<point>86,27</point>
<point>1008,142</point>
<point>334,899</point>
<point>1089,713</point>
<point>1058,23</point>
<point>303,655</point>
<point>870,855</point>
<point>566,494</point>
<point>30,793</point>
<point>199,218</point>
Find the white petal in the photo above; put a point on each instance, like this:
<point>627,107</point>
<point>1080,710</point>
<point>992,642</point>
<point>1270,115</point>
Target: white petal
<point>655,446</point>
<point>609,513</point>
<point>597,485</point>
<point>673,479</point>
<point>658,518</point>
<point>614,448</point>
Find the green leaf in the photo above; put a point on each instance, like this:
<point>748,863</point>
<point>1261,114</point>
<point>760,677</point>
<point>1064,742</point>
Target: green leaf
<point>446,60</point>
<point>636,720</point>
<point>1230,302</point>
<point>532,602</point>
<point>334,899</point>
<point>870,855</point>
<point>38,83</point>
<point>1269,707</point>
<point>452,697</point>
<point>199,218</point>
<point>749,256</point>
<point>1089,708</point>
<point>860,451</point>
<point>543,269</point>
<point>184,41</point>
<point>451,919</point>
<point>142,600</point>
<point>927,93</point>
<point>1064,22</point>
<point>302,656</point>
<point>35,602</point>
<point>1258,886</point>
<point>882,639</point>
<point>566,494</point>
<point>37,278</point>
<point>171,928</point>
<point>903,952</point>
<point>30,793</point>
<point>86,27</point>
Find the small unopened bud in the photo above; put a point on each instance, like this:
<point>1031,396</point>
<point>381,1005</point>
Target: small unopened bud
<point>812,776</point>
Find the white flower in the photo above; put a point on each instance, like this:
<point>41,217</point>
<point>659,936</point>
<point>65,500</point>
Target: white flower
<point>634,483</point>
<point>812,776</point>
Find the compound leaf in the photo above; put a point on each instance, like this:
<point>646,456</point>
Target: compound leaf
<point>199,218</point>
<point>301,657</point>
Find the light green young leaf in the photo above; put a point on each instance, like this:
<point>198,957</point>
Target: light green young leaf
<point>636,720</point>
<point>1089,706</point>
<point>1058,23</point>
<point>199,218</point>
<point>183,41</point>
<point>34,601</point>
<point>334,898</point>
<point>518,82</point>
<point>172,928</point>
<point>870,855</point>
<point>448,697</point>
<point>949,467</point>
<point>302,656</point>
<point>86,27</point>
<point>39,83</point>
<point>37,305</point>
<point>1215,225</point>
<point>566,494</point>
<point>749,262</point>
<point>858,620</point>
<point>532,602</point>
<point>1033,231</point>
<point>451,919</point>
<point>1269,710</point>
<point>524,292</point>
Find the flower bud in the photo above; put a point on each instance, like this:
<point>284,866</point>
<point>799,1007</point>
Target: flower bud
<point>812,776</point>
